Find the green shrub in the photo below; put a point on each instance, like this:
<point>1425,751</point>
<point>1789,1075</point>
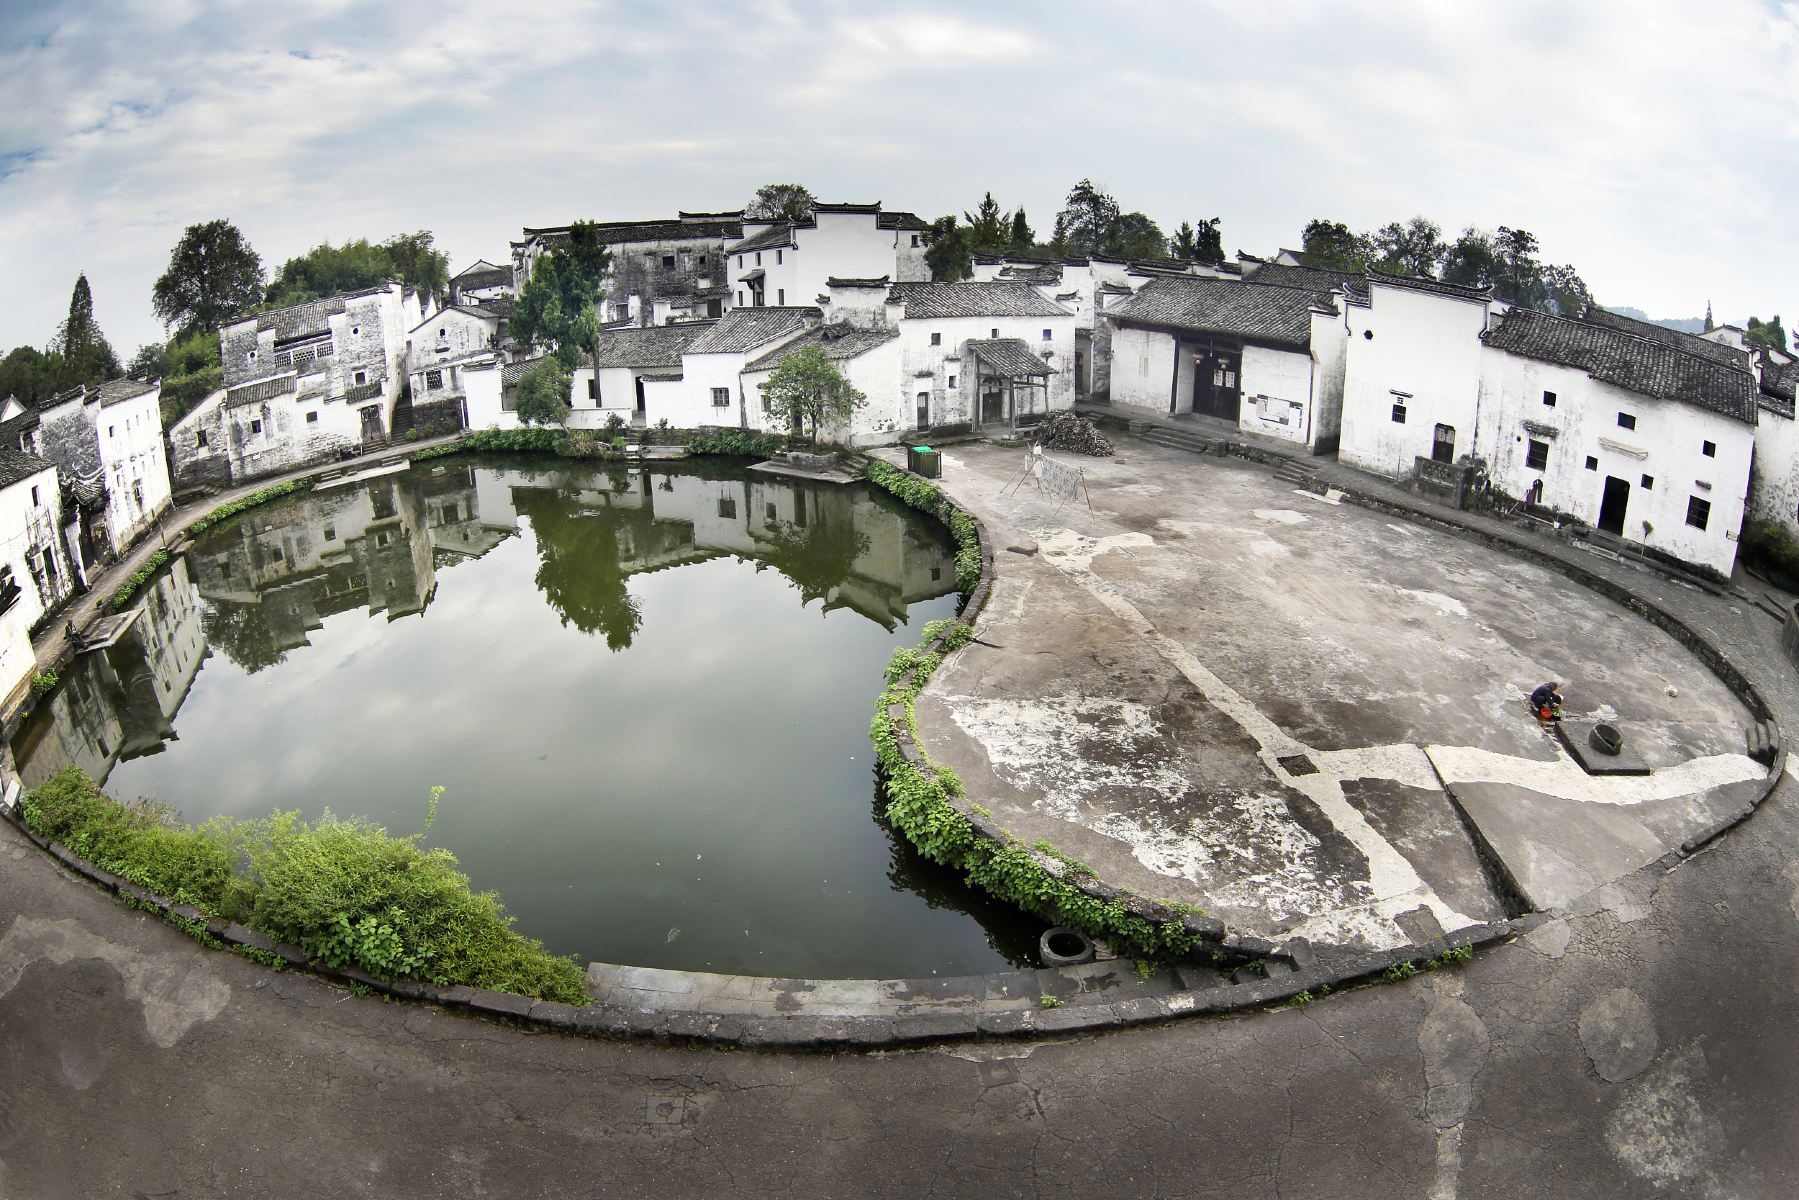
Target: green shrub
<point>926,498</point>
<point>346,892</point>
<point>139,578</point>
<point>497,440</point>
<point>44,682</point>
<point>292,487</point>
<point>738,443</point>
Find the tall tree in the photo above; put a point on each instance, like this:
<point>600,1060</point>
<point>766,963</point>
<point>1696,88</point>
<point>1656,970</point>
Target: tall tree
<point>808,391</point>
<point>1413,247</point>
<point>947,251</point>
<point>1471,260</point>
<point>1563,291</point>
<point>1208,241</point>
<point>213,275</point>
<point>327,270</point>
<point>29,375</point>
<point>1768,335</point>
<point>1087,222</point>
<point>557,306</point>
<point>1183,245</point>
<point>1332,246</point>
<point>1515,255</point>
<point>1024,239</point>
<point>86,356</point>
<point>543,394</point>
<point>987,229</point>
<point>1134,235</point>
<point>780,202</point>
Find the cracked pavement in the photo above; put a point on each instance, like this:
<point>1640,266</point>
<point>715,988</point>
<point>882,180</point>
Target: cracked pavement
<point>1639,1044</point>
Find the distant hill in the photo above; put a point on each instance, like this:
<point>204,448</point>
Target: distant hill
<point>1683,324</point>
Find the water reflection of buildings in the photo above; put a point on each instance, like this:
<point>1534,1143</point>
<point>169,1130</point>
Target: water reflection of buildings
<point>120,702</point>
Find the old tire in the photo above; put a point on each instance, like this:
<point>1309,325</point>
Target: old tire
<point>1063,947</point>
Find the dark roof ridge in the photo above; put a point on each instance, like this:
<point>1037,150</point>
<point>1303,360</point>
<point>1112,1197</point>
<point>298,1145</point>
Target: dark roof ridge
<point>1644,338</point>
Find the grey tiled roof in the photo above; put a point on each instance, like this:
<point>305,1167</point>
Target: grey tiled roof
<point>116,390</point>
<point>1009,356</point>
<point>1649,368</point>
<point>881,282</point>
<point>1312,279</point>
<point>839,340</point>
<point>658,346</point>
<point>1280,316</point>
<point>257,392</point>
<point>17,464</point>
<point>706,227</point>
<point>974,300</point>
<point>1418,283</point>
<point>902,220</point>
<point>1778,380</point>
<point>778,234</point>
<point>512,372</point>
<point>745,329</point>
<point>1723,355</point>
<point>1046,274</point>
<point>357,393</point>
<point>484,277</point>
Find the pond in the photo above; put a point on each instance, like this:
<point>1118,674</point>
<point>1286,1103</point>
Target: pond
<point>646,693</point>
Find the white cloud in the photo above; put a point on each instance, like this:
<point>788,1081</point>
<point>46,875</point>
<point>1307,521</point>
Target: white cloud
<point>1652,144</point>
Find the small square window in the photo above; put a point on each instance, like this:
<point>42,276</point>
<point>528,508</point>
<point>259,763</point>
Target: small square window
<point>312,418</point>
<point>1592,463</point>
<point>1699,512</point>
<point>936,339</point>
<point>702,260</point>
<point>668,262</point>
<point>1548,399</point>
<point>994,334</point>
<point>727,507</point>
<point>1648,483</point>
<point>1626,421</point>
<point>1046,336</point>
<point>952,381</point>
<point>768,511</point>
<point>1709,449</point>
<point>362,377</point>
<point>200,439</point>
<point>721,397</point>
<point>915,241</point>
<point>330,533</point>
<point>1399,414</point>
<point>255,426</point>
<point>1537,457</point>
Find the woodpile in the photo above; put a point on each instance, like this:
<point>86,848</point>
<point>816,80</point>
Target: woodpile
<point>1073,433</point>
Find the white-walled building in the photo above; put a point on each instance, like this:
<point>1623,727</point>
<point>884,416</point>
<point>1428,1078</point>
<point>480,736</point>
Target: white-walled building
<point>982,355</point>
<point>1267,358</point>
<point>481,281</point>
<point>661,270</point>
<point>711,389</point>
<point>1774,479</point>
<point>107,443</point>
<point>868,357</point>
<point>34,571</point>
<point>302,385</point>
<point>1411,385</point>
<point>628,364</point>
<point>788,263</point>
<point>440,349</point>
<point>1627,433</point>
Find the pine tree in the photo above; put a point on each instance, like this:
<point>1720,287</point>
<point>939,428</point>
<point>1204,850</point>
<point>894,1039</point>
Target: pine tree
<point>87,358</point>
<point>1024,239</point>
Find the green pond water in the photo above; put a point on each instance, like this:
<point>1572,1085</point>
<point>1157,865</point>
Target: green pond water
<point>647,693</point>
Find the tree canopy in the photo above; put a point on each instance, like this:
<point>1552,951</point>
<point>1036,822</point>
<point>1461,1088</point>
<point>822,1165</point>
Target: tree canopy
<point>87,357</point>
<point>543,394</point>
<point>327,270</point>
<point>780,202</point>
<point>1505,260</point>
<point>948,251</point>
<point>558,306</point>
<point>1202,243</point>
<point>808,391</point>
<point>1768,335</point>
<point>212,276</point>
<point>1087,222</point>
<point>29,375</point>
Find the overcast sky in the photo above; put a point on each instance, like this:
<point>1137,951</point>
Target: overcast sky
<point>1651,143</point>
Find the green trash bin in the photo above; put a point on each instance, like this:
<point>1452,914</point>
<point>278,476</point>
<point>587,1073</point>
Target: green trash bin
<point>922,460</point>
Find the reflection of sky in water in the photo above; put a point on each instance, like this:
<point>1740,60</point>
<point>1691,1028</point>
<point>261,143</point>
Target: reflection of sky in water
<point>714,778</point>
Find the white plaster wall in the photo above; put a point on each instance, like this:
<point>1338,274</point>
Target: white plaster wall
<point>1277,394</point>
<point>1665,445</point>
<point>481,395</point>
<point>1425,345</point>
<point>451,334</point>
<point>1329,360</point>
<point>32,525</point>
<point>925,367</point>
<point>1142,369</point>
<point>135,464</point>
<point>688,404</point>
<point>876,374</point>
<point>1774,482</point>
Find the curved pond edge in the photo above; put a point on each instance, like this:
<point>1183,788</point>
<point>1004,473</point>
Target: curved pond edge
<point>767,1012</point>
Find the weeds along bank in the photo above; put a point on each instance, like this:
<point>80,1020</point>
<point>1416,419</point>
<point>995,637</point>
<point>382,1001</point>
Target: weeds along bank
<point>345,891</point>
<point>927,802</point>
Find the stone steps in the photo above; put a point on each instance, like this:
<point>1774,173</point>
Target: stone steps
<point>1296,471</point>
<point>1763,741</point>
<point>1175,439</point>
